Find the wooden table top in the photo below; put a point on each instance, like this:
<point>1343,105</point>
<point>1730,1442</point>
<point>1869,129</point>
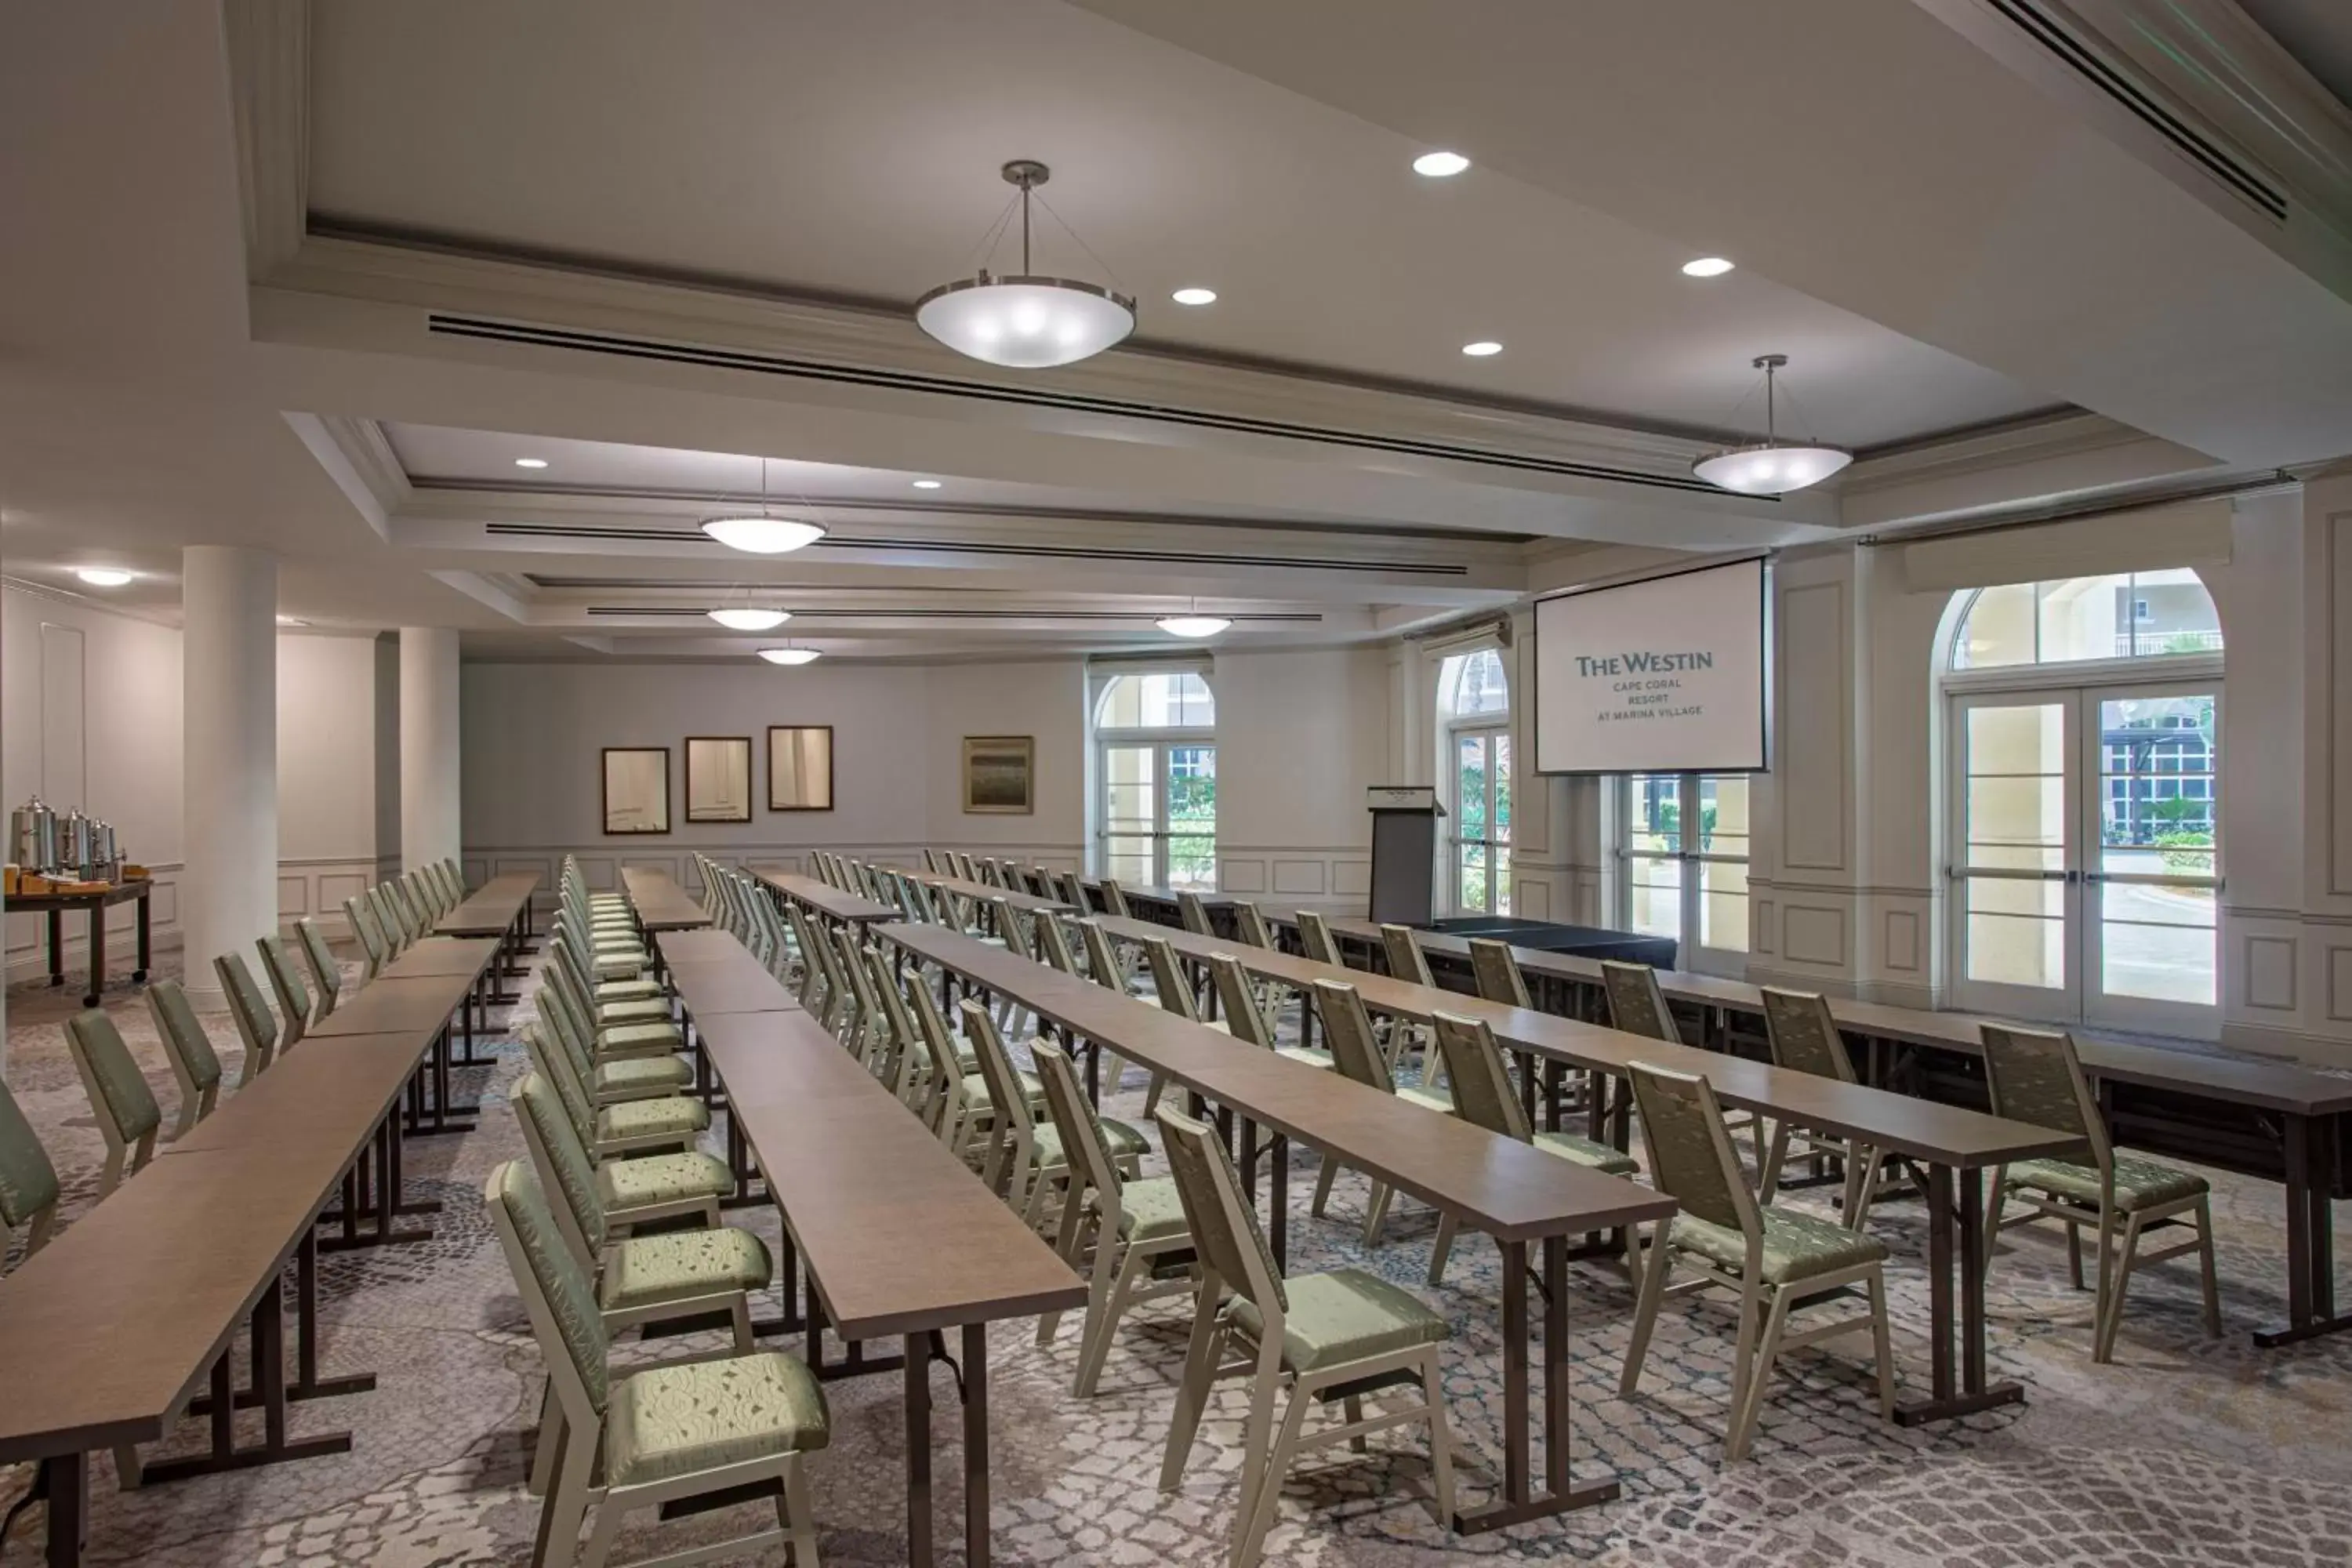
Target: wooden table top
<point>659,903</point>
<point>900,1236</point>
<point>1509,1190</point>
<point>434,957</point>
<point>823,896</point>
<point>417,1003</point>
<point>1924,1129</point>
<point>323,1095</point>
<point>713,974</point>
<point>1027,903</point>
<point>2271,1086</point>
<point>106,898</point>
<point>1162,895</point>
<point>491,908</point>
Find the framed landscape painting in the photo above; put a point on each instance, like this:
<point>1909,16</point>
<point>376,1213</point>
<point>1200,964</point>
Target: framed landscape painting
<point>1000,773</point>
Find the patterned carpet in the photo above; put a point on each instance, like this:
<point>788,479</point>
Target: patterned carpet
<point>2187,1451</point>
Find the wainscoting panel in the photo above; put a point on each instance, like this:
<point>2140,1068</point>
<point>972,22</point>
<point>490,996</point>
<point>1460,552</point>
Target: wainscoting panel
<point>1303,878</point>
<point>1238,876</point>
<point>2270,973</point>
<point>1813,933</point>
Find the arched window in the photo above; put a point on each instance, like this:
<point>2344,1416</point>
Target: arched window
<point>2133,615</point>
<point>1156,754</point>
<point>1474,699</point>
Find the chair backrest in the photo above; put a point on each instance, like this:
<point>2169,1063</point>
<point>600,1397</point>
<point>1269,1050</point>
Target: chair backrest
<point>183,1033</point>
<point>1114,898</point>
<point>1006,1091</point>
<point>1249,924</point>
<point>361,914</point>
<point>388,918</point>
<point>118,1089</point>
<point>868,1014</point>
<point>1052,944</point>
<point>1804,1034</point>
<point>325,972</point>
<point>1243,1020</point>
<point>897,1024</point>
<point>28,1182</point>
<point>1315,937</point>
<point>552,1060</point>
<point>285,973</point>
<point>1102,964</point>
<point>1348,1030</point>
<point>1636,1003</point>
<point>937,1039</point>
<point>254,1024</point>
<point>1013,927</point>
<point>1168,982</point>
<point>1082,1145</point>
<point>1195,914</point>
<point>1496,970</point>
<point>1690,1158</point>
<point>1225,1234</point>
<point>2033,1076</point>
<point>1406,960</point>
<point>1484,1095</point>
<point>559,1293</point>
<point>563,1163</point>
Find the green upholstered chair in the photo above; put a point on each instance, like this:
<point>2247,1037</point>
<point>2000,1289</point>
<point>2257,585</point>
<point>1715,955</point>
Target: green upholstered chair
<point>1355,1054</point>
<point>255,1027</point>
<point>128,1117</point>
<point>1053,942</point>
<point>1170,987</point>
<point>190,1050</point>
<point>1406,960</point>
<point>1637,1005</point>
<point>642,1190</point>
<point>646,1124</point>
<point>1108,967</point>
<point>2037,1078</point>
<point>636,1002</point>
<point>643,1068</point>
<point>658,1435</point>
<point>326,975</point>
<point>1020,1157</point>
<point>943,1084</point>
<point>1194,914</point>
<point>1242,1017</point>
<point>1803,1037</point>
<point>902,1056</point>
<point>1141,1247</point>
<point>811,992</point>
<point>388,918</point>
<point>563,949</point>
<point>293,993</point>
<point>869,1037</point>
<point>1315,939</point>
<point>374,946</point>
<point>1485,1096</point>
<point>28,1182</point>
<point>1776,1260</point>
<point>643,1028</point>
<point>1346,1335</point>
<point>1250,925</point>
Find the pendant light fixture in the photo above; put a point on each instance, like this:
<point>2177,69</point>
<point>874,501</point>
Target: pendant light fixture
<point>761,534</point>
<point>744,619</point>
<point>789,655</point>
<point>1771,467</point>
<point>1025,322</point>
<point>1193,624</point>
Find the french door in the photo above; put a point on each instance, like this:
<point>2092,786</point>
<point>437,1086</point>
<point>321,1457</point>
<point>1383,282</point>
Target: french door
<point>1160,815</point>
<point>2085,865</point>
<point>1482,821</point>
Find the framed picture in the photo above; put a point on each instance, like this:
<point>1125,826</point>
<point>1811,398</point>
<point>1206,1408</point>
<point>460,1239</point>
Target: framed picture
<point>999,773</point>
<point>719,778</point>
<point>800,767</point>
<point>636,789</point>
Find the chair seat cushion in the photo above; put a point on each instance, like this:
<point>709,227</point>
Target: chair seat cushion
<point>1584,1151</point>
<point>637,1076</point>
<point>636,1038</point>
<point>632,1010</point>
<point>1344,1316</point>
<point>627,990</point>
<point>633,1118</point>
<point>625,1184</point>
<point>2140,1183</point>
<point>646,1270</point>
<point>1433,1098</point>
<point>1151,1210</point>
<point>670,1421</point>
<point>975,1088</point>
<point>1124,1143</point>
<point>1313,1059</point>
<point>1797,1245</point>
<point>617,965</point>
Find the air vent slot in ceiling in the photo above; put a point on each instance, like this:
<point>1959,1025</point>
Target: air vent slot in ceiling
<point>1007,612</point>
<point>991,547</point>
<point>456,326</point>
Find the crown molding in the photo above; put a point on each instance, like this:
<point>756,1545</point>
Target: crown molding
<point>269,46</point>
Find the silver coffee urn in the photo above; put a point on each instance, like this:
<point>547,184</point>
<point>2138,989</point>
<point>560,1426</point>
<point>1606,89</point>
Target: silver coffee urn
<point>33,836</point>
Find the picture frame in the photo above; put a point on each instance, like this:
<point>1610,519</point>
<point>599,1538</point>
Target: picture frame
<point>636,790</point>
<point>1000,774</point>
<point>719,778</point>
<point>800,767</point>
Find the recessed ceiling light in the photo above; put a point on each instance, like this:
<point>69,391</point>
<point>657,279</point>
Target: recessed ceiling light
<point>1195,296</point>
<point>1706,267</point>
<point>762,535</point>
<point>1440,165</point>
<point>531,462</point>
<point>789,655</point>
<point>747,619</point>
<point>1192,626</point>
<point>104,576</point>
<point>1481,349</point>
<point>292,621</point>
<point>926,484</point>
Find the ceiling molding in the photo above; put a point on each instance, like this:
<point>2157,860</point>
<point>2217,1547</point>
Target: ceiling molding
<point>2026,463</point>
<point>268,44</point>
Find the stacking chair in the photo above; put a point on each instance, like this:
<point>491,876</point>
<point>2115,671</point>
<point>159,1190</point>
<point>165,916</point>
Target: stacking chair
<point>1114,898</point>
<point>1344,1335</point>
<point>1314,938</point>
<point>1776,1259</point>
<point>1194,914</point>
<point>1804,1038</point>
<point>128,1117</point>
<point>2037,1078</point>
<point>1637,1005</point>
<point>641,1190</point>
<point>1023,1156</point>
<point>388,918</point>
<point>944,1088</point>
<point>1484,1097</point>
<point>1142,1248</point>
<point>813,993</point>
<point>285,973</point>
<point>361,913</point>
<point>869,1039</point>
<point>254,1024</point>
<point>1356,1056</point>
<point>901,1054</point>
<point>659,1434</point>
<point>325,972</point>
<point>644,1125</point>
<point>1409,964</point>
<point>1493,965</point>
<point>1053,942</point>
<point>194,1062</point>
<point>641,1055</point>
<point>1243,1020</point>
<point>628,1002</point>
<point>28,1182</point>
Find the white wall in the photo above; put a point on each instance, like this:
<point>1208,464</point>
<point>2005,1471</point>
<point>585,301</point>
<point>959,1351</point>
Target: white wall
<point>107,738</point>
<point>1300,737</point>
